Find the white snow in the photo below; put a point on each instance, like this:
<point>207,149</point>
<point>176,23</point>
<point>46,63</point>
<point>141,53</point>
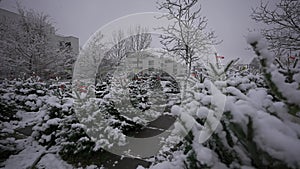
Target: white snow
<point>277,138</point>
<point>25,158</point>
<point>53,122</point>
<point>51,161</point>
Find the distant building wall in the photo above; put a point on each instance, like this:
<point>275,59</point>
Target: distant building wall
<point>57,40</point>
<point>145,60</point>
<point>70,42</point>
<point>9,15</point>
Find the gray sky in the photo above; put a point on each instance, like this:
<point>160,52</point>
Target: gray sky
<point>228,18</point>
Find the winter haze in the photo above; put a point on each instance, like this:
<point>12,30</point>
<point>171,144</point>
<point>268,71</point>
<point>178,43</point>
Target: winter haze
<point>230,19</point>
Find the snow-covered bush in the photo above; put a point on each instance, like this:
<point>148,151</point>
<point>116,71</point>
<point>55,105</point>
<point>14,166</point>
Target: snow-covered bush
<point>56,109</point>
<point>8,106</point>
<point>253,132</point>
<point>59,127</point>
<point>21,94</point>
<point>260,125</point>
<point>283,82</point>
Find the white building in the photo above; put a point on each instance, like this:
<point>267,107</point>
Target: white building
<point>144,60</point>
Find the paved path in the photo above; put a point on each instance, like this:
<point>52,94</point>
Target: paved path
<point>154,128</point>
<point>157,126</point>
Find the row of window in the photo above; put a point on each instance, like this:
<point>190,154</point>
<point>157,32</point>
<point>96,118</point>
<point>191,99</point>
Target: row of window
<point>150,62</point>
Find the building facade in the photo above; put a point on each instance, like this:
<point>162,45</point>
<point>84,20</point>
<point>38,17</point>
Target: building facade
<point>144,60</point>
<point>55,39</point>
<point>11,24</point>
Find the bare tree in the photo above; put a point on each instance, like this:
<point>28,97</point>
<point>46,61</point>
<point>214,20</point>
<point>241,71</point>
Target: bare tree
<point>90,58</point>
<point>186,37</point>
<point>139,39</point>
<point>283,24</point>
<point>120,48</point>
<point>136,40</point>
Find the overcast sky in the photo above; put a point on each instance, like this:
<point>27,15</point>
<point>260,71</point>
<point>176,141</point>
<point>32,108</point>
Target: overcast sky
<point>228,18</point>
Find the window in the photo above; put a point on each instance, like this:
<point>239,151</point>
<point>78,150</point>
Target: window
<point>151,62</point>
<point>61,43</point>
<point>136,62</point>
<point>65,45</point>
<point>68,44</point>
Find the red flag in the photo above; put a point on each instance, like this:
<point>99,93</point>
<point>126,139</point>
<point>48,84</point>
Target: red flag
<point>221,57</point>
<point>82,89</point>
<point>292,57</point>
